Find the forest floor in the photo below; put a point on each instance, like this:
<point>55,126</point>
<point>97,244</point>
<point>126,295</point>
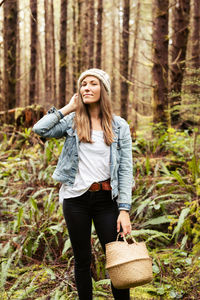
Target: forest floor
<point>36,255</point>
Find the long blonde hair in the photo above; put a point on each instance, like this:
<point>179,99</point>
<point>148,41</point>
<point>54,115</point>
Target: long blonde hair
<point>83,121</point>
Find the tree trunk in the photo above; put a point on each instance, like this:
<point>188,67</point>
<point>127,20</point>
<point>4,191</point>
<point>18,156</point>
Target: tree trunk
<point>53,72</point>
<point>48,87</point>
<point>40,72</point>
<point>86,33</point>
<point>74,49</point>
<point>80,37</point>
<point>125,60</point>
<point>114,51</point>
<point>49,54</point>
<point>180,30</point>
<point>63,53</point>
<point>195,34</point>
<point>133,70</point>
<point>10,42</point>
<point>160,61</point>
<point>32,88</point>
<point>18,63</point>
<point>99,33</point>
<point>91,34</point>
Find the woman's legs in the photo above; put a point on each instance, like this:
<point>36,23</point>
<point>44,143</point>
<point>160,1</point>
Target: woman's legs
<point>78,222</point>
<point>78,213</point>
<point>105,214</point>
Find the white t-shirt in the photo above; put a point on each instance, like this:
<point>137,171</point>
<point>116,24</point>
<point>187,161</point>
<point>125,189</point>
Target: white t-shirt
<point>94,166</point>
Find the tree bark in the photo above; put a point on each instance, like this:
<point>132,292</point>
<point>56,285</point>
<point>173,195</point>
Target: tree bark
<point>74,49</point>
<point>91,34</point>
<point>180,31</point>
<point>32,88</point>
<point>18,64</point>
<point>48,87</point>
<point>63,53</point>
<point>99,33</point>
<point>133,69</point>
<point>49,54</point>
<point>10,42</point>
<point>86,33</point>
<point>80,37</point>
<point>125,60</point>
<point>114,51</point>
<point>195,34</point>
<point>53,58</point>
<point>160,61</point>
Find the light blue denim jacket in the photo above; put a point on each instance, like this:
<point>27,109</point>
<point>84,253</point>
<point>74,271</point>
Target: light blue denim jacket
<point>55,125</point>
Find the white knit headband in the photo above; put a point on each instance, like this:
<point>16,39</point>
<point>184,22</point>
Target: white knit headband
<point>100,74</point>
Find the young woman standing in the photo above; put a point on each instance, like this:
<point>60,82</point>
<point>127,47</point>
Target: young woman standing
<point>95,169</point>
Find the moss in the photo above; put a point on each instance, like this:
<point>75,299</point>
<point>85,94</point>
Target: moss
<point>3,296</point>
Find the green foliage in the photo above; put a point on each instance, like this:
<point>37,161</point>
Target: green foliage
<point>173,274</point>
<point>37,259</point>
<point>165,210</point>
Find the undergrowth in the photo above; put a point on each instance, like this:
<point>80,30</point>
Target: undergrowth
<point>36,255</point>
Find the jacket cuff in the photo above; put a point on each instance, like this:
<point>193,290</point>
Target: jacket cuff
<point>56,112</point>
<point>124,206</point>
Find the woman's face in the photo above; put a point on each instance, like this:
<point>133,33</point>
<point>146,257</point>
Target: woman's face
<point>90,90</point>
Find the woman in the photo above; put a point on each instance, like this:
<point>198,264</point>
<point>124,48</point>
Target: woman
<point>95,169</point>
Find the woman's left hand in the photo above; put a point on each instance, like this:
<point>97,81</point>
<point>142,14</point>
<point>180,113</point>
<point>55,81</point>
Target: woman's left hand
<point>124,222</point>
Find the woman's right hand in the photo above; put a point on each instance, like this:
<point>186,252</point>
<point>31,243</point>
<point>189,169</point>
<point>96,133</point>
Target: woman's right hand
<point>73,103</point>
<point>71,106</point>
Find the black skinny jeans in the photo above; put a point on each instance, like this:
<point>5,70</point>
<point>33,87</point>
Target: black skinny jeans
<point>79,213</point>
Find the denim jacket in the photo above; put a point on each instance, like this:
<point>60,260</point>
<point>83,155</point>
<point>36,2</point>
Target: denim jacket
<point>55,125</point>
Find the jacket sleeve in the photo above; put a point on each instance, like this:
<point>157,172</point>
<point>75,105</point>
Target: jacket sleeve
<point>53,124</point>
<point>125,171</point>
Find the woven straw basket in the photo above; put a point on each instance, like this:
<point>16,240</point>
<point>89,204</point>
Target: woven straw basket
<point>128,265</point>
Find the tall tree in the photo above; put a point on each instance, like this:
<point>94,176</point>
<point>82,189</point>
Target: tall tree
<point>133,68</point>
<point>195,34</point>
<point>48,87</point>
<point>160,60</point>
<point>63,53</point>
<point>86,33</point>
<point>125,59</point>
<point>53,46</point>
<point>99,33</point>
<point>10,42</point>
<point>74,49</point>
<point>180,30</point>
<point>18,93</point>
<point>80,36</point>
<point>91,33</point>
<point>114,56</point>
<point>49,53</point>
<point>32,88</point>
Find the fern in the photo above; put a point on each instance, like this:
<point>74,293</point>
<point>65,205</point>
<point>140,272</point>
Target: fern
<point>37,242</point>
<point>5,265</point>
<point>180,223</point>
<point>158,220</point>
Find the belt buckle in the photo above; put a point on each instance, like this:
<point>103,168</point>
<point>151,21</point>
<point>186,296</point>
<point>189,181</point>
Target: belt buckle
<point>99,187</point>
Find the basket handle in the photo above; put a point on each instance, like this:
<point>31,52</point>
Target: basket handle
<point>124,238</point>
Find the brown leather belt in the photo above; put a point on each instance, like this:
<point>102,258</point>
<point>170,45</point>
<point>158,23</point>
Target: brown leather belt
<point>102,185</point>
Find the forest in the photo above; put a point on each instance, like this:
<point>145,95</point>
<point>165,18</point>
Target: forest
<point>151,50</point>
